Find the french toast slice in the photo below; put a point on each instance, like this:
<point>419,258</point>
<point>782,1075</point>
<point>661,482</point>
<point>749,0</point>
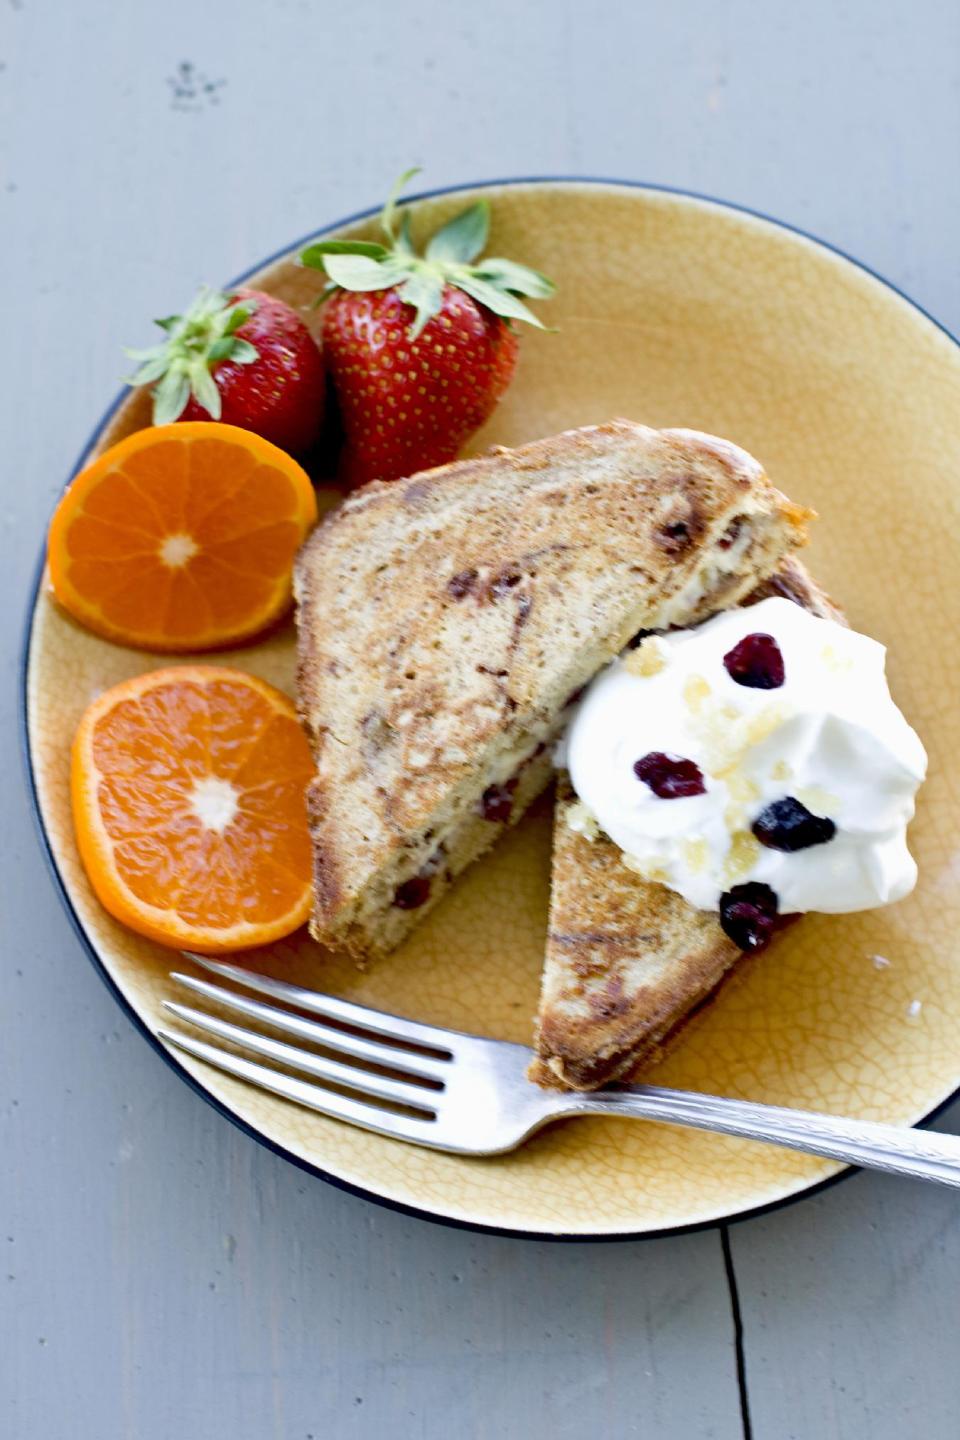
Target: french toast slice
<point>627,960</point>
<point>446,622</point>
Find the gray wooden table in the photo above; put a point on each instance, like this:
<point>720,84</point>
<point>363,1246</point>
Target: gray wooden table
<point>161,1274</point>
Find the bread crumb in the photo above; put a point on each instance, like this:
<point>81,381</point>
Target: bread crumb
<point>763,724</point>
<point>744,794</point>
<point>582,821</point>
<point>741,857</point>
<point>820,801</point>
<point>646,869</point>
<point>695,692</point>
<point>696,853</point>
<point>649,658</point>
<point>840,664</point>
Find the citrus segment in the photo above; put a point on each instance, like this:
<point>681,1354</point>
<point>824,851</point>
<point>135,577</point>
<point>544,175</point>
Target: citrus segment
<point>181,537</point>
<point>187,787</point>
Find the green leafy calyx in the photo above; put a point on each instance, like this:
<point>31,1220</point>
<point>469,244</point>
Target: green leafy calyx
<point>195,343</point>
<point>451,257</point>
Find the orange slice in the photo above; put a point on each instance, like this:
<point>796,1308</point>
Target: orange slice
<point>181,537</point>
<point>188,802</point>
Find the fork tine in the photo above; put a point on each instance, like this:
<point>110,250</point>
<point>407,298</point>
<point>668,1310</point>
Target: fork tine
<point>331,1070</point>
<point>326,1102</point>
<point>422,1066</point>
<point>333,1007</point>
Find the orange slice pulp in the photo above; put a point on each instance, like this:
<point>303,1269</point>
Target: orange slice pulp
<point>188,802</point>
<point>181,537</point>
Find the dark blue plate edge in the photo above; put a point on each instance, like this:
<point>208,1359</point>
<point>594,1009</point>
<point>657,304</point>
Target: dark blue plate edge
<point>89,948</point>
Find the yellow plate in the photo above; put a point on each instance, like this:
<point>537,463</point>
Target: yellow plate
<point>673,310</point>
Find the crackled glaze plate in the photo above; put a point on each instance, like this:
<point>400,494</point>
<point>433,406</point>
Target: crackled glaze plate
<point>673,310</point>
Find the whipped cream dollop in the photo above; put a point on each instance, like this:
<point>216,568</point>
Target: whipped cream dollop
<point>762,746</point>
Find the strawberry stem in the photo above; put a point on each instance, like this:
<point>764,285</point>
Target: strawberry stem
<point>195,343</point>
<point>451,258</point>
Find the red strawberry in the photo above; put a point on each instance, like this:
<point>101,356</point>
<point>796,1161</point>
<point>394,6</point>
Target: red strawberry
<point>244,358</point>
<point>407,406</point>
<point>420,348</point>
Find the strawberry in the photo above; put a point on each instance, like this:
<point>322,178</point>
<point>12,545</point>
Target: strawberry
<point>420,347</point>
<point>245,358</point>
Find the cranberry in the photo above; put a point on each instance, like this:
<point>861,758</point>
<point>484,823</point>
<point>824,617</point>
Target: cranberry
<point>412,893</point>
<point>788,825</point>
<point>674,538</point>
<point>669,776</point>
<point>524,606</point>
<point>462,583</point>
<point>731,534</point>
<point>503,583</point>
<point>748,915</point>
<point>756,662</point>
<point>496,802</point>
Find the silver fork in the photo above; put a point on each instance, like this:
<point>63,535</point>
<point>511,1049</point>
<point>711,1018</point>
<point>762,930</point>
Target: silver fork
<point>464,1094</point>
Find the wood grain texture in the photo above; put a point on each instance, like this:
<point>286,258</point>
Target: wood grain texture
<point>123,1199</point>
<point>850,1306</point>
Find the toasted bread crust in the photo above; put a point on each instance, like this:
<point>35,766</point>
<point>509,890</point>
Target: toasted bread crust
<point>445,620</point>
<point>624,959</point>
<point>793,581</point>
<point>628,961</point>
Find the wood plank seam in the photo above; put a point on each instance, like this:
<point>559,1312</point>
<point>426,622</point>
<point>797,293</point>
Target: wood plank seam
<point>738,1337</point>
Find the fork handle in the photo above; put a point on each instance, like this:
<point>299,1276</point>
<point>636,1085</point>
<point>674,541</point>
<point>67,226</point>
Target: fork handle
<point>920,1154</point>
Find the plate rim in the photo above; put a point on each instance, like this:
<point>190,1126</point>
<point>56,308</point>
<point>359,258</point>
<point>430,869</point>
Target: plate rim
<point>59,884</point>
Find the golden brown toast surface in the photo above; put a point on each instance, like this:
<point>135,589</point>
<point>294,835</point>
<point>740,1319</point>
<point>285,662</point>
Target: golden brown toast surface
<point>444,622</point>
<point>627,960</point>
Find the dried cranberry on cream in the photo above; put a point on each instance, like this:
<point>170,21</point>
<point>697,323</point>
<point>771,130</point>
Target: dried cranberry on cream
<point>809,769</point>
